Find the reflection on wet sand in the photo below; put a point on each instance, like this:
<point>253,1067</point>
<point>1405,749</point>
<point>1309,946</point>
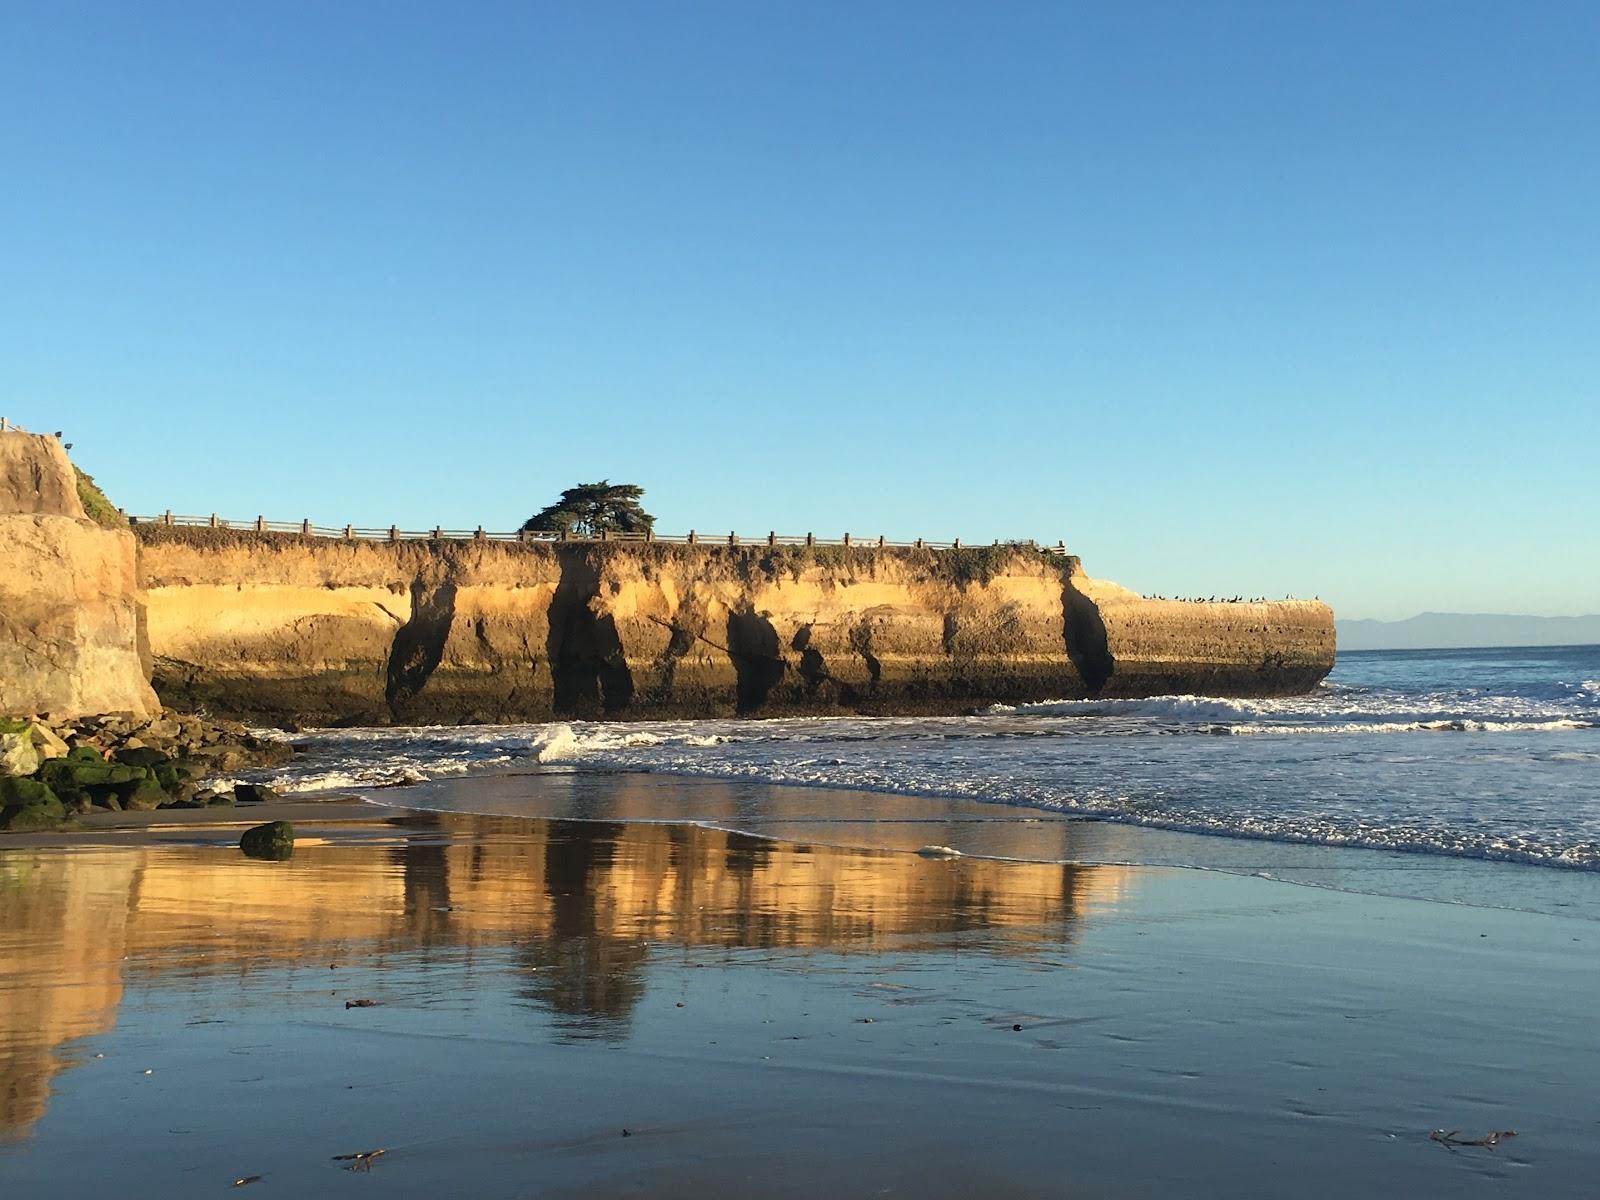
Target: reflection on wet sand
<point>572,909</point>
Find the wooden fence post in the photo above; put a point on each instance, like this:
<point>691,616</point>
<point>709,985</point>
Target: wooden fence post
<point>305,527</point>
<point>692,539</point>
<point>213,520</point>
<point>733,539</point>
<point>349,533</point>
<point>261,524</point>
<point>880,541</point>
<point>479,536</point>
<point>811,539</point>
<point>167,517</point>
<point>772,537</point>
<point>847,539</point>
<point>394,533</point>
<point>956,545</point>
<point>438,532</point>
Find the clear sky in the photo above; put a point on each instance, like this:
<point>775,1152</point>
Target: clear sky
<point>1233,297</point>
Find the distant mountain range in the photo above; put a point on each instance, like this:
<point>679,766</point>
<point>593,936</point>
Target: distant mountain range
<point>1440,631</point>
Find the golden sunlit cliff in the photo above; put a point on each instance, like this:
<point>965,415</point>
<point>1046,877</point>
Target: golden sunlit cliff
<point>304,630</point>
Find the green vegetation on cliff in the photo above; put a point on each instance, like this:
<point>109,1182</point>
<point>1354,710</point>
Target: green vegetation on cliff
<point>100,509</point>
<point>591,509</point>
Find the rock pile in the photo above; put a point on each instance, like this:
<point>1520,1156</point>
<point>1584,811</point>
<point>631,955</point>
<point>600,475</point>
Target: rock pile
<point>51,770</point>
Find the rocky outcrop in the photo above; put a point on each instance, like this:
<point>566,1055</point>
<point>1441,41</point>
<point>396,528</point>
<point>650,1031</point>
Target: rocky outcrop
<point>70,615</point>
<point>319,631</point>
<point>51,774</point>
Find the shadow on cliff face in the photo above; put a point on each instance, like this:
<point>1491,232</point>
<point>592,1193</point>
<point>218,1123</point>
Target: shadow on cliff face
<point>753,647</point>
<point>861,643</point>
<point>587,663</point>
<point>813,669</point>
<point>1084,632</point>
<point>419,643</point>
<point>685,628</point>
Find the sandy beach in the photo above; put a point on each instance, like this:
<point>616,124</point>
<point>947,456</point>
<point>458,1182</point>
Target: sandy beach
<point>575,1007</point>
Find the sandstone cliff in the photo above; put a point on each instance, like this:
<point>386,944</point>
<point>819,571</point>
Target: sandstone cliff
<point>70,617</point>
<point>299,630</point>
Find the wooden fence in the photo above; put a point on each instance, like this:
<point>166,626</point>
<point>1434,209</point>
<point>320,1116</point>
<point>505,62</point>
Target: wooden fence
<point>394,533</point>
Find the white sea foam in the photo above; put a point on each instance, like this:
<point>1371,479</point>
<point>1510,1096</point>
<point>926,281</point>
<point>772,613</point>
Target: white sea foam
<point>1443,726</point>
<point>1360,761</point>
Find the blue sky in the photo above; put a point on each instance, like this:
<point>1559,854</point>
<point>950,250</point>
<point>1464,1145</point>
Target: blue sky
<point>1260,298</point>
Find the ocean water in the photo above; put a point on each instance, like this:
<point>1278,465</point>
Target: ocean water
<point>1463,754</point>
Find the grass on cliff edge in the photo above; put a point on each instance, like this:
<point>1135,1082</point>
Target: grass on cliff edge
<point>965,566</point>
<point>101,511</point>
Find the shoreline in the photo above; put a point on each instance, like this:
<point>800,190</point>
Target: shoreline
<point>862,819</point>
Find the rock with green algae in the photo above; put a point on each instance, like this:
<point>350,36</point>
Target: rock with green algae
<point>144,795</point>
<point>273,840</point>
<point>73,772</point>
<point>28,804</point>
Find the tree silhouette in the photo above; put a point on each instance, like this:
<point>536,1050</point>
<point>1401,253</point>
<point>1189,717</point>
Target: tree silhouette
<point>591,509</point>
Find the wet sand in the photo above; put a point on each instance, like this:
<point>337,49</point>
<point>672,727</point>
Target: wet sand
<point>606,1008</point>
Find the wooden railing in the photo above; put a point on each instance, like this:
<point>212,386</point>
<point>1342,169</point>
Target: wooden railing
<point>394,533</point>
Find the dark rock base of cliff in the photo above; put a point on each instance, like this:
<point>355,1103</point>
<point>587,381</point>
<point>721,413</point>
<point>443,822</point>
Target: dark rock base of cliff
<point>352,699</point>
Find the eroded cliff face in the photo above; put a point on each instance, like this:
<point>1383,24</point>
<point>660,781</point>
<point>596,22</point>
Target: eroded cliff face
<point>70,615</point>
<point>302,631</point>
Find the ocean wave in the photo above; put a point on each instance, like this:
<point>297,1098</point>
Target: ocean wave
<point>1359,761</point>
<point>1333,710</point>
<point>1436,726</point>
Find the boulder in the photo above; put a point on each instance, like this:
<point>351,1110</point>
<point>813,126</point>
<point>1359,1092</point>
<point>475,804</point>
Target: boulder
<point>21,793</point>
<point>146,795</point>
<point>84,773</point>
<point>274,840</point>
<point>173,775</point>
<point>164,726</point>
<point>28,804</point>
<point>18,755</point>
<point>254,793</point>
<point>46,742</point>
<point>220,758</point>
<point>139,756</point>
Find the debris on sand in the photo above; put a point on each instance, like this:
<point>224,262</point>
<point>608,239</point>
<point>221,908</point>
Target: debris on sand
<point>361,1160</point>
<point>349,1004</point>
<point>246,1180</point>
<point>1488,1141</point>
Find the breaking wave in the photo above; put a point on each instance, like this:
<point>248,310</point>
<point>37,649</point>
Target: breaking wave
<point>1488,758</point>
